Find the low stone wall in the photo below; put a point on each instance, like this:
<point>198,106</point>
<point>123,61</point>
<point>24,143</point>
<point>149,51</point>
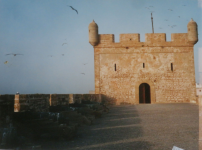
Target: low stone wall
<point>32,102</point>
<point>59,99</point>
<point>108,100</point>
<point>42,102</point>
<point>78,98</point>
<point>6,109</point>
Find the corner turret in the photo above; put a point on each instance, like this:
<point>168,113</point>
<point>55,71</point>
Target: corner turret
<point>93,33</point>
<point>192,32</point>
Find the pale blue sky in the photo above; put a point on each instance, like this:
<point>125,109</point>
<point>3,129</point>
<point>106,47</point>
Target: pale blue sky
<point>38,28</point>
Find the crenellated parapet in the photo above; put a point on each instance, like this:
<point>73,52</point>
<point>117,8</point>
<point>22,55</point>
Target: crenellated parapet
<point>151,39</point>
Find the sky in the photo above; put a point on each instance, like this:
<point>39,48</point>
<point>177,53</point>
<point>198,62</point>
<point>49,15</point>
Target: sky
<point>53,43</point>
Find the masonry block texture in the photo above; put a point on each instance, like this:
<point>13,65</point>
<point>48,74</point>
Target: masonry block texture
<point>78,98</point>
<point>59,99</point>
<point>42,102</point>
<point>167,66</point>
<point>32,102</point>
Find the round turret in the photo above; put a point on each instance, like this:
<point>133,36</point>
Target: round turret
<point>93,33</point>
<point>192,32</point>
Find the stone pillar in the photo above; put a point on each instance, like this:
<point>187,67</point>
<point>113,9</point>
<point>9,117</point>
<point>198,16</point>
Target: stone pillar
<point>200,121</point>
<point>50,100</point>
<point>17,103</point>
<point>71,99</point>
<point>100,98</point>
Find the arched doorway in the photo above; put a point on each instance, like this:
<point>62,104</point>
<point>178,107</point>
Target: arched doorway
<point>144,93</point>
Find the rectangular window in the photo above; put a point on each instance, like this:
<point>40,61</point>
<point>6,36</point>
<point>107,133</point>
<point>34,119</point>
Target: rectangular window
<point>143,65</point>
<point>114,67</point>
<point>171,66</point>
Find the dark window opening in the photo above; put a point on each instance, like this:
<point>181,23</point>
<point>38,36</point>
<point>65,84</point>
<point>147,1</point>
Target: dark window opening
<point>115,67</point>
<point>143,65</point>
<point>144,93</point>
<point>130,39</point>
<point>126,47</point>
<point>171,66</point>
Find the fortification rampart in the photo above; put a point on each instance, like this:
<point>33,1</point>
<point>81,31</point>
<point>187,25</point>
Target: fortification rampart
<point>42,102</point>
<point>167,67</point>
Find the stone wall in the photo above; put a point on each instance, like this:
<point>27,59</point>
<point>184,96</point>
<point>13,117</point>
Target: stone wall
<point>42,102</point>
<point>78,98</point>
<point>121,67</point>
<point>59,99</point>
<point>6,108</point>
<point>32,102</point>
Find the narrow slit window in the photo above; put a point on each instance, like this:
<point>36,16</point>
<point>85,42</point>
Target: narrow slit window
<point>143,65</point>
<point>114,67</point>
<point>171,65</point>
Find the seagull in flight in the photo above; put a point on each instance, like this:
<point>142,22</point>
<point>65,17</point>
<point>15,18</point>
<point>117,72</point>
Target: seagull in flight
<point>85,63</point>
<point>63,54</point>
<point>170,9</point>
<point>83,73</point>
<point>63,44</point>
<point>73,8</point>
<point>14,54</point>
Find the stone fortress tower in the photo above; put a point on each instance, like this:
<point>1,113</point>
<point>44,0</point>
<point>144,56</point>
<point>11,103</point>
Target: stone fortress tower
<point>154,71</point>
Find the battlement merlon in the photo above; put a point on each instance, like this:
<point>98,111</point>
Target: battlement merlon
<point>151,39</point>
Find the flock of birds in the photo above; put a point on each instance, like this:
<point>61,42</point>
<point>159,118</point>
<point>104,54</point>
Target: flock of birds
<point>171,26</point>
<point>149,8</point>
<point>6,62</point>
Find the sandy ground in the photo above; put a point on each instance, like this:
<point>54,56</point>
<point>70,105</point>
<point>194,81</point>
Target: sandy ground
<point>137,127</point>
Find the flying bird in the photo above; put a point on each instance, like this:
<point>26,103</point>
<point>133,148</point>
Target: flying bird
<point>160,28</point>
<point>166,20</point>
<point>14,54</point>
<point>63,44</point>
<point>83,73</point>
<point>73,8</point>
<point>63,54</point>
<point>170,9</point>
<point>85,63</point>
<point>183,5</point>
<point>179,16</point>
<point>5,62</point>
